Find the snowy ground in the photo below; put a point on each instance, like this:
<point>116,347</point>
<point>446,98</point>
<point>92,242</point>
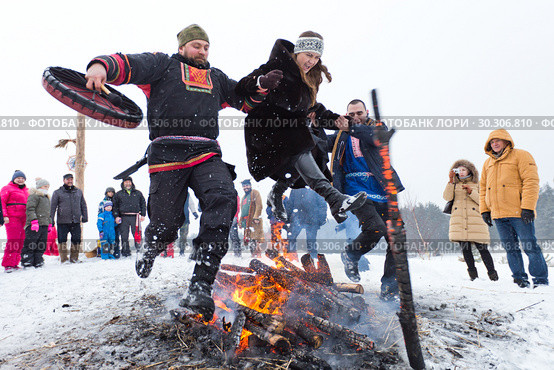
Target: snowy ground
<point>70,315</point>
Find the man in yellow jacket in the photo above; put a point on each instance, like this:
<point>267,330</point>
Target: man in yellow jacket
<point>509,190</point>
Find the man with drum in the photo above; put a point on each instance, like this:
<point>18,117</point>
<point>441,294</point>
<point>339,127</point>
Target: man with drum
<point>184,96</point>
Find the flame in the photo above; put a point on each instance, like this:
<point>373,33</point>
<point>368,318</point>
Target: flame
<point>243,341</point>
<point>265,296</point>
<point>221,305</point>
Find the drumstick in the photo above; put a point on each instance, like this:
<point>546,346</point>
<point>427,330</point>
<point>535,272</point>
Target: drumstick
<point>113,98</point>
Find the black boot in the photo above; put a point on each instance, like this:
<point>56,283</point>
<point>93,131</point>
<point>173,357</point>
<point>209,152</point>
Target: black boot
<point>350,267</point>
<point>146,257</point>
<point>493,275</point>
<point>275,200</point>
<point>199,299</point>
<point>522,283</point>
<point>472,274</point>
<point>338,202</point>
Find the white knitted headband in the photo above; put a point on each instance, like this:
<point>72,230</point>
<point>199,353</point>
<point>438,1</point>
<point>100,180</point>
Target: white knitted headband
<point>307,44</point>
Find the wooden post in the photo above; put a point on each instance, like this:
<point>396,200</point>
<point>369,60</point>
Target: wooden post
<point>80,153</point>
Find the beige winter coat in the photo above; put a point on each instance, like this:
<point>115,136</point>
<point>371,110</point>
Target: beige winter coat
<point>466,223</point>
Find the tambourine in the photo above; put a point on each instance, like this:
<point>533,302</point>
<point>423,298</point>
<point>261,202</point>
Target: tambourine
<point>110,106</point>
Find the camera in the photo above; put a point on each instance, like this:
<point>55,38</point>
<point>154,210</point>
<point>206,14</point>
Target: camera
<point>456,171</point>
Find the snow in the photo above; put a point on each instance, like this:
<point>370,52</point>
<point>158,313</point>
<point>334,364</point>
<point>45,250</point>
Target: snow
<point>42,308</point>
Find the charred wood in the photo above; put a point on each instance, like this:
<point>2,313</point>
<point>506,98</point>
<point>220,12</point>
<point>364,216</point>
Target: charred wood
<point>278,341</point>
<point>341,332</point>
<point>349,288</point>
<point>323,270</point>
<point>235,268</point>
<point>233,339</point>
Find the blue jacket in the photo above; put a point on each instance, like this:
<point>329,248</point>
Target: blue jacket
<point>106,225</point>
<point>306,207</point>
<point>371,155</point>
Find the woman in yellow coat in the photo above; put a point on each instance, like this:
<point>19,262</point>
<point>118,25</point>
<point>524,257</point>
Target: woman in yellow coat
<point>466,223</point>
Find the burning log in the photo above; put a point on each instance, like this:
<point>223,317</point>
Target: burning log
<point>233,340</point>
<point>236,280</point>
<point>336,301</point>
<point>312,275</point>
<point>278,341</point>
<point>340,331</point>
<point>313,339</point>
<point>308,264</point>
<point>280,277</point>
<point>235,268</point>
<point>271,323</point>
<point>323,270</point>
<point>349,288</point>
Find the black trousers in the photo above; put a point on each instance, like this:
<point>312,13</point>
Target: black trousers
<point>376,215</point>
<point>127,222</point>
<point>212,184</point>
<point>74,229</point>
<point>373,229</point>
<point>34,246</point>
<point>483,250</point>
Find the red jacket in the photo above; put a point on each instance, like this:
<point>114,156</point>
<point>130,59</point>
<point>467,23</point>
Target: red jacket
<point>14,200</point>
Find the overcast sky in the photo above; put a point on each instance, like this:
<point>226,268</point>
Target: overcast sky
<point>437,58</point>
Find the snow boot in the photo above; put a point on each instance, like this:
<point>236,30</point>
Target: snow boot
<point>338,202</point>
<point>275,200</point>
<point>199,299</point>
<point>63,252</point>
<point>74,253</point>
<point>493,275</point>
<point>472,274</point>
<point>522,283</point>
<point>350,267</point>
<point>145,258</point>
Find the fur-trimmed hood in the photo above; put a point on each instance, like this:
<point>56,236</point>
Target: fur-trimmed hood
<point>470,166</point>
<point>40,194</point>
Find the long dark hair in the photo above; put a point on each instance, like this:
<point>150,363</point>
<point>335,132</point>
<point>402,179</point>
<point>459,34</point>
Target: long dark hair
<point>314,77</point>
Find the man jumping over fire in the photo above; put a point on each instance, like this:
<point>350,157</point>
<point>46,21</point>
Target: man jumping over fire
<point>184,96</point>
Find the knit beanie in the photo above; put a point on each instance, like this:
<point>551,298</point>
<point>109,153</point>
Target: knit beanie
<point>67,176</point>
<point>41,183</point>
<point>108,204</point>
<point>108,189</point>
<point>17,174</point>
<point>246,182</point>
<point>192,32</point>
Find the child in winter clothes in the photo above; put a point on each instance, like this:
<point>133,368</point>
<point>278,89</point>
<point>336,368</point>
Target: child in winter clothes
<point>37,225</point>
<point>106,228</point>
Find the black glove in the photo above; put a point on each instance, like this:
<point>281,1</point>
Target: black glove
<point>527,216</point>
<point>271,79</point>
<point>487,218</point>
<point>195,215</point>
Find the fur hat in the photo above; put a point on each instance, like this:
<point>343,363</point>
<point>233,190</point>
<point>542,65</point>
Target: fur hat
<point>41,182</point>
<point>192,32</point>
<point>17,174</point>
